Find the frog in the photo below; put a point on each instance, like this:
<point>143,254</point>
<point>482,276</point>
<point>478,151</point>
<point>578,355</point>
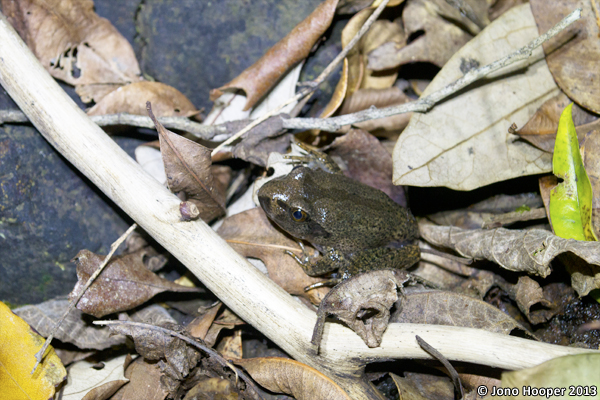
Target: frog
<point>355,227</point>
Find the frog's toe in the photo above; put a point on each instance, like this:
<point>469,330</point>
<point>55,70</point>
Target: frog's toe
<point>330,283</point>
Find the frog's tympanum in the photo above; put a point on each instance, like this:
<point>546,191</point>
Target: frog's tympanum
<point>355,227</point>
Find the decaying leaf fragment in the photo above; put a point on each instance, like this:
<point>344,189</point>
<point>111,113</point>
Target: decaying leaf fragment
<point>363,303</point>
<point>188,169</point>
<point>257,79</point>
<point>282,375</point>
<point>528,251</point>
<point>73,43</point>
<point>570,200</point>
<point>18,344</point>
<point>123,284</point>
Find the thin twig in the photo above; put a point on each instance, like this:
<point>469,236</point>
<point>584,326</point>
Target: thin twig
<point>113,247</point>
<point>220,359</point>
<point>311,86</point>
<point>426,103</point>
<point>206,132</point>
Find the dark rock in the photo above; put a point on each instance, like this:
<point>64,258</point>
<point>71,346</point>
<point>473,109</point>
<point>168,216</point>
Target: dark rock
<point>196,46</point>
<point>48,212</point>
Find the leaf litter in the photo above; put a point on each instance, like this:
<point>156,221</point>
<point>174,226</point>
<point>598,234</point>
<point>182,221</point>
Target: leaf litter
<point>435,37</point>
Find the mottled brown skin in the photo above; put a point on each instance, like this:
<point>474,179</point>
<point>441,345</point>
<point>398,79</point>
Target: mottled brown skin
<point>355,227</point>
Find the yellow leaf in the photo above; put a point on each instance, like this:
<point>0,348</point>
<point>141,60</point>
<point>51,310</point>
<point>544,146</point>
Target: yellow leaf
<point>18,345</point>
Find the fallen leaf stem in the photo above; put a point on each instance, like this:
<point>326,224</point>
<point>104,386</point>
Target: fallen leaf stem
<point>113,247</point>
<point>246,290</point>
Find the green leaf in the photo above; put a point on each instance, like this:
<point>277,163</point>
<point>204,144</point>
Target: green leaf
<point>562,372</point>
<point>571,200</point>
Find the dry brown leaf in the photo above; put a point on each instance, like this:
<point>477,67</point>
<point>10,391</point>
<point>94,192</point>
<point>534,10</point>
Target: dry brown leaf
<point>230,347</point>
<point>528,251</point>
<point>365,98</point>
<point>356,66</point>
<point>257,79</point>
<point>212,388</point>
<point>251,234</point>
<point>73,43</point>
<point>381,32</point>
<point>441,39</point>
<point>227,320</point>
<point>146,382</point>
<point>363,303</point>
<point>339,93</point>
<point>123,284</point>
<point>198,328</point>
<point>453,309</point>
<point>573,55</point>
<point>282,375</point>
<point>541,129</point>
<point>188,169</point>
<point>367,161</point>
<point>166,101</point>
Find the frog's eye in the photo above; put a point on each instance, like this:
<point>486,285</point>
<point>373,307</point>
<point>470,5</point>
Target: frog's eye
<point>299,215</point>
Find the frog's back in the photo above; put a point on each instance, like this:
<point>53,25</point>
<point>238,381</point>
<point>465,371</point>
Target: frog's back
<point>364,217</point>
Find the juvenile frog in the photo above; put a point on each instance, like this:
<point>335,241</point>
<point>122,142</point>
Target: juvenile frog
<point>355,227</point>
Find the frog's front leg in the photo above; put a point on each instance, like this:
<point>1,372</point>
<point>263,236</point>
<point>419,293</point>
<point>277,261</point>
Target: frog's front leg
<point>382,258</point>
<point>328,261</point>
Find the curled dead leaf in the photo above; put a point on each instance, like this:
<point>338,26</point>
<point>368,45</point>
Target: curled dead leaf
<point>528,251</point>
<point>282,375</point>
<point>123,284</point>
<point>257,79</point>
<point>188,169</point>
<point>363,303</point>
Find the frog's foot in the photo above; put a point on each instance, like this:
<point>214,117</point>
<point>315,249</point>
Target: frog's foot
<point>303,262</point>
<point>329,282</point>
<point>314,159</point>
